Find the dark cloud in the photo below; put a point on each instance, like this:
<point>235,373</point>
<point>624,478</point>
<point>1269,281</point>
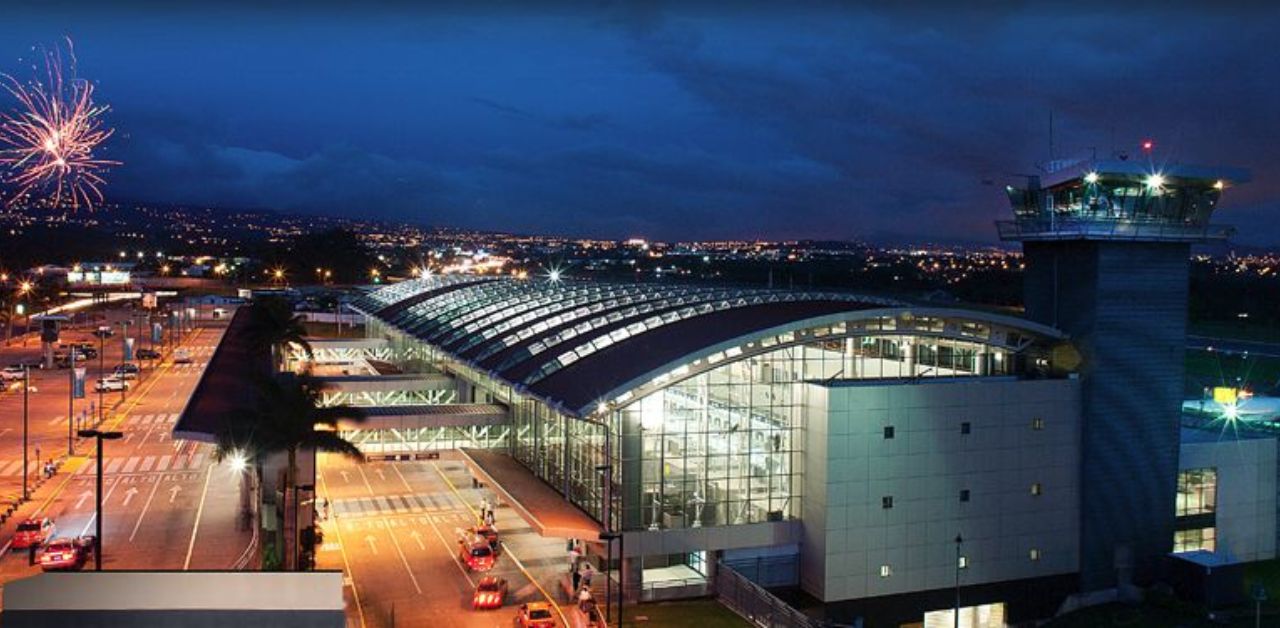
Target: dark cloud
<point>673,121</point>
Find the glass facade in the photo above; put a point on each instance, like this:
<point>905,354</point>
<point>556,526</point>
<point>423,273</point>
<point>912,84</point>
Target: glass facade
<point>716,441</point>
<point>1197,491</point>
<point>1195,539</point>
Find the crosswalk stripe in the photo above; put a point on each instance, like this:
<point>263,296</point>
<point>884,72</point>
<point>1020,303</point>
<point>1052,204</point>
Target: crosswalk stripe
<point>164,463</point>
<point>130,465</point>
<point>367,505</point>
<point>146,463</point>
<point>55,420</point>
<point>382,504</point>
<point>196,462</point>
<point>113,465</point>
<point>12,468</point>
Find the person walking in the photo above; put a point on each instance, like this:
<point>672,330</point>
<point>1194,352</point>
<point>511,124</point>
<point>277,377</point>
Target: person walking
<point>573,559</point>
<point>577,579</point>
<point>587,572</point>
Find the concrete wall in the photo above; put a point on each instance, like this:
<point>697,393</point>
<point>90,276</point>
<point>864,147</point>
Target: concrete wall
<point>851,466</point>
<point>1245,516</point>
<point>1125,306</point>
<point>191,598</point>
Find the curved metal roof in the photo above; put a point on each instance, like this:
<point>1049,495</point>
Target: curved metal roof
<point>570,342</point>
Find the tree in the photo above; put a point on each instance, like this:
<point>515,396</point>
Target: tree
<point>273,323</point>
<point>287,418</point>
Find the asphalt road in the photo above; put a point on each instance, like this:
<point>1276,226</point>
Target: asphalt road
<point>393,528</point>
<point>166,504</point>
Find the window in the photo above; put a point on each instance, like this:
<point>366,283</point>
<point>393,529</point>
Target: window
<point>886,571</point>
<point>965,427</point>
<point>1037,424</point>
<point>963,562</point>
<point>1197,491</point>
<point>886,502</point>
<point>888,432</point>
<point>1037,489</point>
<point>1034,554</point>
<point>964,495</point>
<point>1195,539</point>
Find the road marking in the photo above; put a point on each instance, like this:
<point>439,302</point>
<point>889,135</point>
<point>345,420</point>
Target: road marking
<point>128,495</point>
<point>11,468</point>
<point>131,465</point>
<point>350,579</point>
<point>144,511</point>
<point>345,476</point>
<point>373,546</point>
<point>417,536</point>
<point>173,491</point>
<point>80,502</point>
<point>94,516</point>
<point>404,561</point>
<point>366,480</point>
<point>164,463</point>
<point>559,611</point>
<point>147,463</point>
<point>113,466</point>
<point>186,564</point>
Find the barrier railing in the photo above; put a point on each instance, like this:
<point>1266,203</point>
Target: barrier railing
<point>755,604</point>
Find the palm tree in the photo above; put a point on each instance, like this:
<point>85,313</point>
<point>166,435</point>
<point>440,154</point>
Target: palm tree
<point>273,323</point>
<point>287,417</point>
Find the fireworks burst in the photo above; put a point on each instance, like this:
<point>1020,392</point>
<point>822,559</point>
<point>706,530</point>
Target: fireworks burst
<point>47,143</point>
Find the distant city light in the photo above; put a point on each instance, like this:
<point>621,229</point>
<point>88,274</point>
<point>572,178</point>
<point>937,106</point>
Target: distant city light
<point>1219,184</point>
<point>1155,181</point>
<point>1091,178</point>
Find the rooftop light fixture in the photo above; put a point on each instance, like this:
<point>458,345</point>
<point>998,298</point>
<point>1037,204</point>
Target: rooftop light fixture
<point>1091,178</point>
<point>1155,181</point>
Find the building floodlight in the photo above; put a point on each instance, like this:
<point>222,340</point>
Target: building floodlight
<point>1091,178</point>
<point>1155,181</point>
<point>238,461</point>
<point>1219,184</point>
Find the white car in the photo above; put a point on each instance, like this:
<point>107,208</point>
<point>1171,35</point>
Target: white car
<point>12,373</point>
<point>111,383</point>
<point>182,356</point>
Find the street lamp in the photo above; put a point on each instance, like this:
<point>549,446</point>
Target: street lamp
<point>26,394</point>
<point>100,435</point>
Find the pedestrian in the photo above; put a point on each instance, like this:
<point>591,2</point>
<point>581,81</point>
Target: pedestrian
<point>31,554</point>
<point>489,519</point>
<point>573,559</point>
<point>584,600</point>
<point>587,572</point>
<point>577,579</point>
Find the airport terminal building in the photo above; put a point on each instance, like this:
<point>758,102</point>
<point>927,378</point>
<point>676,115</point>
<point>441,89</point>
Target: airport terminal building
<point>843,441</point>
<point>880,456</point>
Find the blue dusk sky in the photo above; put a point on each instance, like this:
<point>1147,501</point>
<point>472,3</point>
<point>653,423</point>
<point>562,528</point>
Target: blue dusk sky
<point>666,121</point>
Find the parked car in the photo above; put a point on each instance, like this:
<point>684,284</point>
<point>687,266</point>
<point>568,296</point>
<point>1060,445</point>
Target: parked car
<point>126,371</point>
<point>66,554</point>
<point>110,384</point>
<point>491,592</point>
<point>536,615</point>
<point>182,356</point>
<point>33,532</point>
<point>148,354</point>
<point>12,373</point>
<point>104,332</point>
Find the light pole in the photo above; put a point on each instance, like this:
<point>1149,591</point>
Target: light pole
<point>959,543</point>
<point>97,541</point>
<point>26,395</point>
<point>102,366</point>
<point>71,403</point>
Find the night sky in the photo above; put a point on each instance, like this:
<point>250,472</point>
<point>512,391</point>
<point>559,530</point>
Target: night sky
<point>668,123</point>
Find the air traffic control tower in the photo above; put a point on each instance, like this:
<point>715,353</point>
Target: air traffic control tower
<point>1107,246</point>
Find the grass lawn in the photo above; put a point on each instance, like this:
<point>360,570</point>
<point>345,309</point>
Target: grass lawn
<point>685,613</point>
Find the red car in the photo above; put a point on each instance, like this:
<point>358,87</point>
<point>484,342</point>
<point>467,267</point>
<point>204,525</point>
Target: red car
<point>33,532</point>
<point>491,592</point>
<point>66,554</point>
<point>476,553</point>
